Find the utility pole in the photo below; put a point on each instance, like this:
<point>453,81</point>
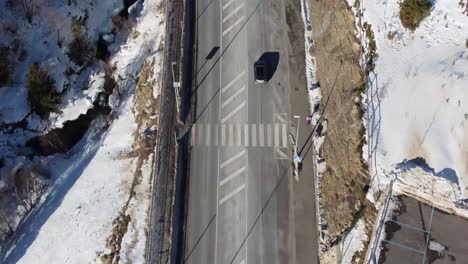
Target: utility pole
<point>175,83</point>
<point>297,158</point>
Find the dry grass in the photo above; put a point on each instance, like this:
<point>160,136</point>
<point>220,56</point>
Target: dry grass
<point>146,112</point>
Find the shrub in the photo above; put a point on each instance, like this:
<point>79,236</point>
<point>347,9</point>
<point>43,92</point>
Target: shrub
<point>42,95</point>
<point>412,12</point>
<point>80,50</point>
<point>4,66</point>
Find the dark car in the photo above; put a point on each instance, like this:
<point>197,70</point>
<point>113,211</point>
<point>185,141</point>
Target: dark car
<point>260,69</point>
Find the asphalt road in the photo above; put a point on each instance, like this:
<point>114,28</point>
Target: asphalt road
<point>240,149</point>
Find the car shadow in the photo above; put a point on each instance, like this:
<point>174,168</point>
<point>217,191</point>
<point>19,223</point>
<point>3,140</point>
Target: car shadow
<point>271,60</point>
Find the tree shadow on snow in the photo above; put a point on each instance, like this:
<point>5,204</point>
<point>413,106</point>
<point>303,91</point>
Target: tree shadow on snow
<point>29,228</point>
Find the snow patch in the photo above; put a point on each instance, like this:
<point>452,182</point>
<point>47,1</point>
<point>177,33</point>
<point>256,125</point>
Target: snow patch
<point>354,242</point>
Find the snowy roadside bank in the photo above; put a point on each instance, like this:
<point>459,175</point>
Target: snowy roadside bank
<point>415,112</point>
<point>96,208</point>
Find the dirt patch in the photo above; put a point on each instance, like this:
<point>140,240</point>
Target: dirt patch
<point>345,181</point>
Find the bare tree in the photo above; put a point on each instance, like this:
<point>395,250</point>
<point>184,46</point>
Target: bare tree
<point>9,231</point>
<point>28,9</point>
<point>30,189</point>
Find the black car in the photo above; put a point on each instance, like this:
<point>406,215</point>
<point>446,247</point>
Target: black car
<point>260,69</point>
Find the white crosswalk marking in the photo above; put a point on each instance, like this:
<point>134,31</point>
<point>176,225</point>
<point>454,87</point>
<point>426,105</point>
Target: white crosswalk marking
<point>208,135</point>
<point>215,142</point>
<point>285,135</point>
<point>239,133</point>
<point>246,135</point>
<point>223,135</point>
<point>276,135</point>
<point>200,134</point>
<point>235,134</point>
<point>262,135</point>
<point>231,135</point>
<point>269,137</point>
<point>193,136</point>
<point>254,135</point>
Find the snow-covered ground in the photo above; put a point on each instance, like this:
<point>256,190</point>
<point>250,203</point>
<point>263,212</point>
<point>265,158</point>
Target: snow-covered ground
<point>72,224</point>
<point>418,93</point>
<point>91,184</point>
<point>417,103</point>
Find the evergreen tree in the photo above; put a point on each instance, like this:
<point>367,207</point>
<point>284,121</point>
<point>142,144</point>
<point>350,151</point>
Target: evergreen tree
<point>42,95</point>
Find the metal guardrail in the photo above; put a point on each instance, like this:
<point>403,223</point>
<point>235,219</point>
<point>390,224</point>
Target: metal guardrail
<point>178,227</point>
<point>159,239</point>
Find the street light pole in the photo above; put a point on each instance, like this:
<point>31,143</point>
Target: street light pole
<point>176,84</point>
<point>297,133</point>
<point>296,158</point>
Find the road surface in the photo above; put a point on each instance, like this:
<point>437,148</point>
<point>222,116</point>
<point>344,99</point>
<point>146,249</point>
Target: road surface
<point>240,143</point>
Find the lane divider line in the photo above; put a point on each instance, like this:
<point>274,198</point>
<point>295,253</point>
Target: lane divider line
<point>232,176</point>
<point>231,27</point>
<point>238,155</point>
<point>231,194</point>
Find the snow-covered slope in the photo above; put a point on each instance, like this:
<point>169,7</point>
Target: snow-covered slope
<point>106,175</point>
<point>418,93</point>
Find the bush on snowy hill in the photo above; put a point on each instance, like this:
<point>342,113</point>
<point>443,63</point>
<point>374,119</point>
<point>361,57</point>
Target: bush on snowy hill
<point>43,97</point>
<point>412,12</point>
<point>80,50</point>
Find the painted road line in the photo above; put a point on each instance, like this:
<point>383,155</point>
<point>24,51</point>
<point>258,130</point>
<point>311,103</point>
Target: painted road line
<point>200,134</point>
<point>277,136</point>
<point>232,97</point>
<point>281,153</point>
<point>233,112</point>
<point>246,135</point>
<point>231,194</point>
<point>228,4</point>
<point>233,12</point>
<point>215,143</point>
<point>231,83</point>
<point>281,118</point>
<point>254,135</point>
<point>231,135</point>
<point>239,134</point>
<point>231,176</point>
<point>208,135</point>
<point>269,137</point>
<point>285,135</point>
<point>192,138</point>
<point>233,158</point>
<point>231,27</point>
<point>223,135</point>
<point>261,135</point>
